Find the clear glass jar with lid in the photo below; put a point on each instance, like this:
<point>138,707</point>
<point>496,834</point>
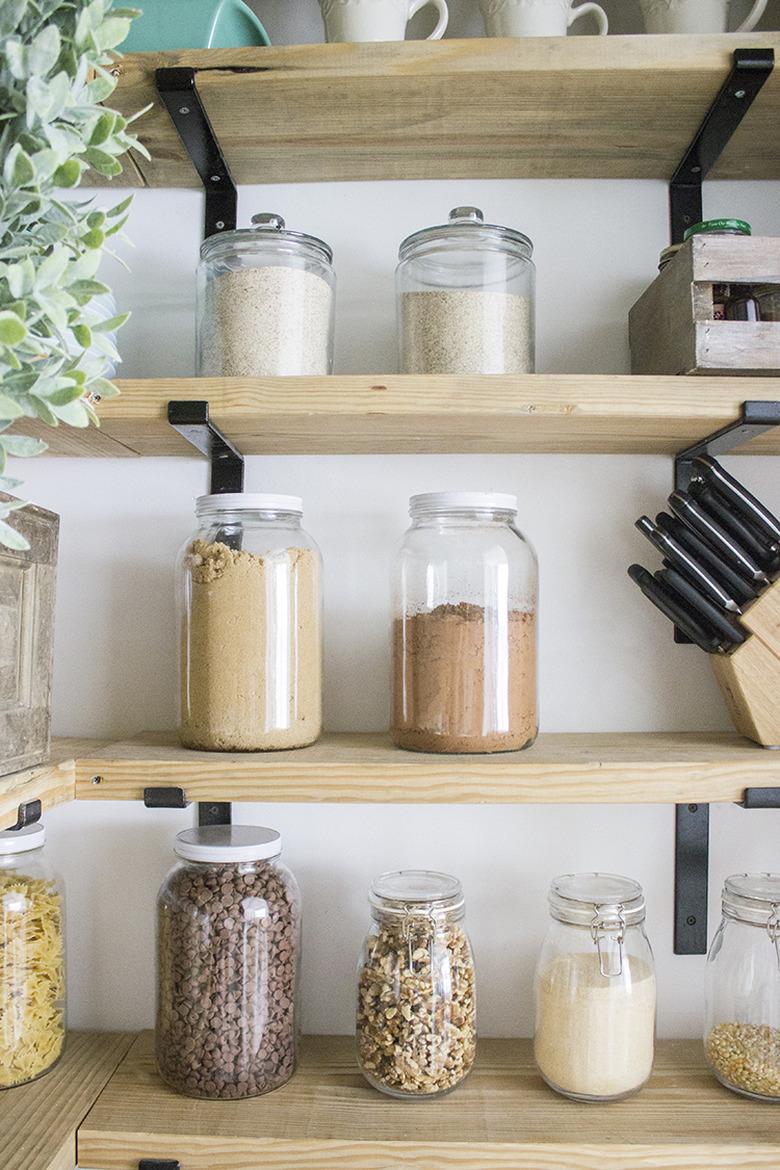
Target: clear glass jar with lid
<point>416,1012</point>
<point>466,298</point>
<point>249,599</point>
<point>464,629</point>
<point>228,947</point>
<point>32,958</point>
<point>742,1017</point>
<point>595,990</point>
<point>265,302</point>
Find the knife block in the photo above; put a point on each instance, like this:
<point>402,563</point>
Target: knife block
<point>749,677</point>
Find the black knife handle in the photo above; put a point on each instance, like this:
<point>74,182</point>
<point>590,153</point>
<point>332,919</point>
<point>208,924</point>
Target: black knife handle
<point>737,494</point>
<point>703,610</point>
<point>742,590</point>
<point>723,542</point>
<point>668,604</point>
<point>682,560</point>
<point>763,552</point>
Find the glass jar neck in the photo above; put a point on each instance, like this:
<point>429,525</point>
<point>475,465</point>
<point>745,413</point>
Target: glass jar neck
<point>412,919</point>
<point>223,518</point>
<point>10,861</point>
<point>463,516</point>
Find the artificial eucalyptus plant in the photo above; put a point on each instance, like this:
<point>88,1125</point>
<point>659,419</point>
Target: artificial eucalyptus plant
<point>55,350</point>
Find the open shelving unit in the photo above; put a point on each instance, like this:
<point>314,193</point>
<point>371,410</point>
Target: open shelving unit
<point>583,107</point>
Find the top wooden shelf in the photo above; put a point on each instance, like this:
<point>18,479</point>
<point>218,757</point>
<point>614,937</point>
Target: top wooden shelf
<point>584,107</point>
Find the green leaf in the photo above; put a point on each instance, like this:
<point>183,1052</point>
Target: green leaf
<point>44,50</point>
<point>102,388</point>
<point>12,329</point>
<point>18,170</point>
<point>22,446</point>
<point>10,538</point>
<point>66,395</point>
<point>120,207</point>
<point>83,335</point>
<point>68,174</point>
<point>8,408</point>
<point>74,414</point>
<point>111,323</point>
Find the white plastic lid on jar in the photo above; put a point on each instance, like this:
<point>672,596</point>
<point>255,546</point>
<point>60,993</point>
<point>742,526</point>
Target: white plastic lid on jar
<point>228,843</point>
<point>248,502</point>
<point>22,840</point>
<point>429,503</point>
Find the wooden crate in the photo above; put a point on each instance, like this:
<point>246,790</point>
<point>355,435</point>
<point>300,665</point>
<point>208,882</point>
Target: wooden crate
<point>672,329</point>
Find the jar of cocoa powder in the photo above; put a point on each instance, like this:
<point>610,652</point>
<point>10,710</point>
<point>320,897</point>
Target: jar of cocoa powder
<point>228,943</point>
<point>464,631</point>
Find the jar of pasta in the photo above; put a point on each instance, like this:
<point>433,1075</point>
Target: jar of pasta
<point>32,959</point>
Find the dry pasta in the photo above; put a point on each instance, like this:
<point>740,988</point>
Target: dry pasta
<point>32,978</point>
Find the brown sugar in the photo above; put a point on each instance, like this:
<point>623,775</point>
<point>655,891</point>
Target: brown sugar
<point>465,680</point>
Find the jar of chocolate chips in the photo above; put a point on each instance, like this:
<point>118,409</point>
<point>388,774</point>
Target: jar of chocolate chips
<point>228,943</point>
<point>464,634</point>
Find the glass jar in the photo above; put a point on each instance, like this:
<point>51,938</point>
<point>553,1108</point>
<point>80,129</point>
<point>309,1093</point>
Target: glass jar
<point>416,1012</point>
<point>464,632</point>
<point>595,990</point>
<point>465,298</point>
<point>228,945</point>
<point>742,1018</point>
<point>265,302</point>
<point>250,621</point>
<point>32,958</point>
<point>768,297</point>
<point>721,293</point>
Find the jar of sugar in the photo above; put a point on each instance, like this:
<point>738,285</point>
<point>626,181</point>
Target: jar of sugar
<point>465,298</point>
<point>265,302</point>
<point>595,990</point>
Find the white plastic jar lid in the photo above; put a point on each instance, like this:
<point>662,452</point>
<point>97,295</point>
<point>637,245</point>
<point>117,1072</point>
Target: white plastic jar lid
<point>462,501</point>
<point>22,840</point>
<point>230,843</point>
<point>248,502</point>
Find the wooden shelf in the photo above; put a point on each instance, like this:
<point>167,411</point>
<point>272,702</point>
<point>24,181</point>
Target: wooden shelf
<point>52,783</point>
<point>623,107</point>
<point>608,414</point>
<point>38,1122</point>
<point>502,1118</point>
<point>629,768</point>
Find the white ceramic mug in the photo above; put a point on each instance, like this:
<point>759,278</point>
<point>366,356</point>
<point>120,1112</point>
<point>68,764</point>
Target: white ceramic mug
<point>695,16</point>
<point>537,18</point>
<point>376,20</point>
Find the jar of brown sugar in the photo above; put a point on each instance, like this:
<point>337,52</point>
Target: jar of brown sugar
<point>464,631</point>
<point>250,626</point>
<point>228,941</point>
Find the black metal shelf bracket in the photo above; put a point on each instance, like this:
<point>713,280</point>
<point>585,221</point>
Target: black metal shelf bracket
<point>691,878</point>
<point>178,90</point>
<point>761,798</point>
<point>159,1164</point>
<point>191,420</point>
<point>750,70</point>
<point>755,419</point>
<point>29,813</point>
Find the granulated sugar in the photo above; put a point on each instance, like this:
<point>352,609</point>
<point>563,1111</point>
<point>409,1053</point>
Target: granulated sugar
<point>261,322</point>
<point>466,332</point>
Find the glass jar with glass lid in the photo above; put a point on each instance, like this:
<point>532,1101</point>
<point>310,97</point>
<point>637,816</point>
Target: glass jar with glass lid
<point>742,1019</point>
<point>32,958</point>
<point>595,990</point>
<point>465,298</point>
<point>250,621</point>
<point>464,630</point>
<point>416,1012</point>
<point>265,302</point>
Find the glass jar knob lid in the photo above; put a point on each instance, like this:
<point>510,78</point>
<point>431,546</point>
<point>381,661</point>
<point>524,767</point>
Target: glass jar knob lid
<point>268,219</point>
<point>466,215</point>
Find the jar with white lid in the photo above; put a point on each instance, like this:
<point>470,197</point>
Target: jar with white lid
<point>32,958</point>
<point>228,951</point>
<point>742,1017</point>
<point>595,990</point>
<point>464,629</point>
<point>249,598</point>
<point>466,298</point>
<point>265,302</point>
<point>416,1012</point>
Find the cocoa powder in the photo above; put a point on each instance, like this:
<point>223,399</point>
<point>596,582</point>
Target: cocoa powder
<point>465,680</point>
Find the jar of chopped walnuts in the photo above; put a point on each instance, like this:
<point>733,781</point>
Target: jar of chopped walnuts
<point>416,1012</point>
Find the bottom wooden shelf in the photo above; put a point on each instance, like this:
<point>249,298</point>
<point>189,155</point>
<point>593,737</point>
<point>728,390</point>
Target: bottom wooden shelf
<point>502,1118</point>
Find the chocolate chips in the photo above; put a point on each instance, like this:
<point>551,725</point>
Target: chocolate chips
<point>228,944</point>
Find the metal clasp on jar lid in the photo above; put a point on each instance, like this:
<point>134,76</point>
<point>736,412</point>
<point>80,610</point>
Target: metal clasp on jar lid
<point>608,926</point>
<point>773,929</point>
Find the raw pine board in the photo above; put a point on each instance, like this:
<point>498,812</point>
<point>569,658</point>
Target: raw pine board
<point>582,107</point>
<point>627,768</point>
<point>609,414</point>
<point>502,1118</point>
<point>38,1122</point>
<point>52,783</point>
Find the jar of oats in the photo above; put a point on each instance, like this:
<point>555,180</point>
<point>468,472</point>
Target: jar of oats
<point>250,626</point>
<point>465,298</point>
<point>416,1012</point>
<point>265,302</point>
<point>742,1018</point>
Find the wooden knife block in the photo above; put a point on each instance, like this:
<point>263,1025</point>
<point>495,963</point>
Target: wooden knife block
<point>749,677</point>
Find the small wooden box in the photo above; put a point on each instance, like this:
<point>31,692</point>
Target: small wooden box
<point>672,329</point>
<point>27,591</point>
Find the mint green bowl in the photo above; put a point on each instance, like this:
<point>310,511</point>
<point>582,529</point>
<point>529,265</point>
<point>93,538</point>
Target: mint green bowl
<point>193,24</point>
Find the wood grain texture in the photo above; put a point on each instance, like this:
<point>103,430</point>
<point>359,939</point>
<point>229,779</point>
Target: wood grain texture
<point>617,107</point>
<point>633,768</point>
<point>351,414</point>
<point>749,679</point>
<point>77,442</point>
<point>38,1122</point>
<point>749,347</point>
<point>52,783</point>
<point>762,618</point>
<point>502,1118</point>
